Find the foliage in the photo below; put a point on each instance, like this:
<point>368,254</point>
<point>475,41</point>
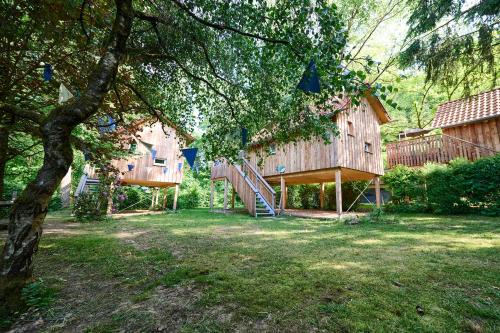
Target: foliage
<point>90,206</point>
<point>37,294</point>
<point>406,184</point>
<point>459,51</point>
<point>460,187</point>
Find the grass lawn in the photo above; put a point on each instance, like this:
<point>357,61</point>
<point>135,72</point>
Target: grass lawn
<point>195,271</point>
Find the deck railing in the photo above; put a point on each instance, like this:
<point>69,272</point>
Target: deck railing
<point>260,184</point>
<point>433,148</point>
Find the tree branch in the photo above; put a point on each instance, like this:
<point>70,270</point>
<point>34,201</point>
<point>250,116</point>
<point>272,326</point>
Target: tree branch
<point>26,114</point>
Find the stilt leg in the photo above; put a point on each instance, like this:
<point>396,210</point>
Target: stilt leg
<point>338,191</point>
<point>176,194</point>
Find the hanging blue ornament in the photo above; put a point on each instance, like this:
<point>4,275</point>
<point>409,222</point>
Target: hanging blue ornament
<point>190,155</point>
<point>165,170</point>
<point>47,72</point>
<point>153,153</point>
<point>310,79</point>
<point>244,136</point>
<point>86,155</point>
<point>179,166</point>
<point>111,124</point>
<point>130,167</point>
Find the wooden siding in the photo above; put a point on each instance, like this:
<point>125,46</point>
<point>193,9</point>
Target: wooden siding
<point>145,173</point>
<point>485,133</point>
<point>345,151</point>
<point>351,148</point>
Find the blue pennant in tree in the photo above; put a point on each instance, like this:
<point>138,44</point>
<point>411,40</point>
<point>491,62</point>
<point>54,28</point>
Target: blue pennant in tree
<point>106,124</point>
<point>153,153</point>
<point>47,72</point>
<point>165,170</point>
<point>130,167</point>
<point>190,155</point>
<point>310,79</point>
<point>244,136</point>
<point>179,166</point>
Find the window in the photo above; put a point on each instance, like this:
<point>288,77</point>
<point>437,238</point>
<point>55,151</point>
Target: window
<point>368,148</point>
<point>350,128</point>
<point>133,148</point>
<point>271,150</point>
<point>160,162</point>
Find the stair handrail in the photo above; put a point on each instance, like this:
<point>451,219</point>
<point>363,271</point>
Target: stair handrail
<point>469,142</point>
<point>259,176</point>
<point>254,189</point>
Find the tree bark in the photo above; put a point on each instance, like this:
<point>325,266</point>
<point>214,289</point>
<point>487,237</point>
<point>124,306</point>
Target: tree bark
<point>30,209</point>
<point>4,151</point>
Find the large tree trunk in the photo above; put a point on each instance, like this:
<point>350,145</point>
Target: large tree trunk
<point>29,210</point>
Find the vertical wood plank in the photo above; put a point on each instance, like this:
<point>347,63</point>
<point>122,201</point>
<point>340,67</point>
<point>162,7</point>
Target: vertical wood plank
<point>338,191</point>
<point>176,195</point>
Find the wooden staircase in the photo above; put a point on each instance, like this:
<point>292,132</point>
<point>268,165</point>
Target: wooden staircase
<point>255,193</point>
<point>88,182</point>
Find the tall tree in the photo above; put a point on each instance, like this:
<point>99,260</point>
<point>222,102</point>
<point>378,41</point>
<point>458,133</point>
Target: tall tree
<point>233,64</point>
<point>455,42</point>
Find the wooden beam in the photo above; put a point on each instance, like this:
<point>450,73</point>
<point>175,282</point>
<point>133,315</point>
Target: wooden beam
<point>283,194</point>
<point>165,190</point>
<point>377,191</point>
<point>157,197</point>
<point>322,195</point>
<point>176,195</point>
<point>338,191</point>
<point>153,193</point>
<point>286,196</point>
<point>225,193</point>
<point>233,195</point>
<point>212,185</point>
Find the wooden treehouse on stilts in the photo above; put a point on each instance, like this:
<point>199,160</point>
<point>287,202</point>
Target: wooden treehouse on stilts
<point>470,129</point>
<point>155,161</point>
<point>354,155</point>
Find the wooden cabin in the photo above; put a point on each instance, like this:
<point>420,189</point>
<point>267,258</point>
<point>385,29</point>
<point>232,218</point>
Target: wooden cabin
<point>155,161</point>
<point>470,129</point>
<point>354,155</point>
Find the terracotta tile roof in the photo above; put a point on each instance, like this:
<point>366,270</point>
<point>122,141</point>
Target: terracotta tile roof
<point>470,109</point>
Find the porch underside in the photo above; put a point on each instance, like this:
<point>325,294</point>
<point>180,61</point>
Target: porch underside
<point>319,176</point>
<point>147,183</point>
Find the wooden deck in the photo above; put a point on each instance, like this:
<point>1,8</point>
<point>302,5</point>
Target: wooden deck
<point>433,148</point>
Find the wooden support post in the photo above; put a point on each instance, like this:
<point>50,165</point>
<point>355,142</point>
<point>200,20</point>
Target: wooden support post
<point>286,197</point>
<point>157,197</point>
<point>109,209</point>
<point>233,195</point>
<point>283,194</point>
<point>165,191</point>
<point>212,185</point>
<point>176,194</point>
<point>338,191</point>
<point>225,193</point>
<point>377,191</point>
<point>322,195</point>
<point>153,193</point>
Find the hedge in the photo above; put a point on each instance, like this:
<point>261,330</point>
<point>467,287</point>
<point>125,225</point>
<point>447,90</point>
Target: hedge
<point>460,187</point>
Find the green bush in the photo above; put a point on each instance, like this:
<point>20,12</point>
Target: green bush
<point>406,184</point>
<point>457,188</point>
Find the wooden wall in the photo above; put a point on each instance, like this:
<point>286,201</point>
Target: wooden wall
<point>351,148</point>
<point>144,172</point>
<point>345,151</point>
<point>485,133</point>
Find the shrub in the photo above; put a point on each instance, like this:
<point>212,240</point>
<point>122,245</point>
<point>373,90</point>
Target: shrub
<point>459,187</point>
<point>406,184</point>
<point>89,206</point>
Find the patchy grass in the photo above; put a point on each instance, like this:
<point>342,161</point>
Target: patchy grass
<point>200,272</point>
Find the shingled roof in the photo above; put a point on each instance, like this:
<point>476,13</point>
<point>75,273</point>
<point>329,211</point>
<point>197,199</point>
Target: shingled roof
<point>467,110</point>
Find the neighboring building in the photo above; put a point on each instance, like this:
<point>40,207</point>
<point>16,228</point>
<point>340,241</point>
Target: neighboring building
<point>355,155</point>
<point>475,119</point>
<point>471,130</point>
<point>155,161</point>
